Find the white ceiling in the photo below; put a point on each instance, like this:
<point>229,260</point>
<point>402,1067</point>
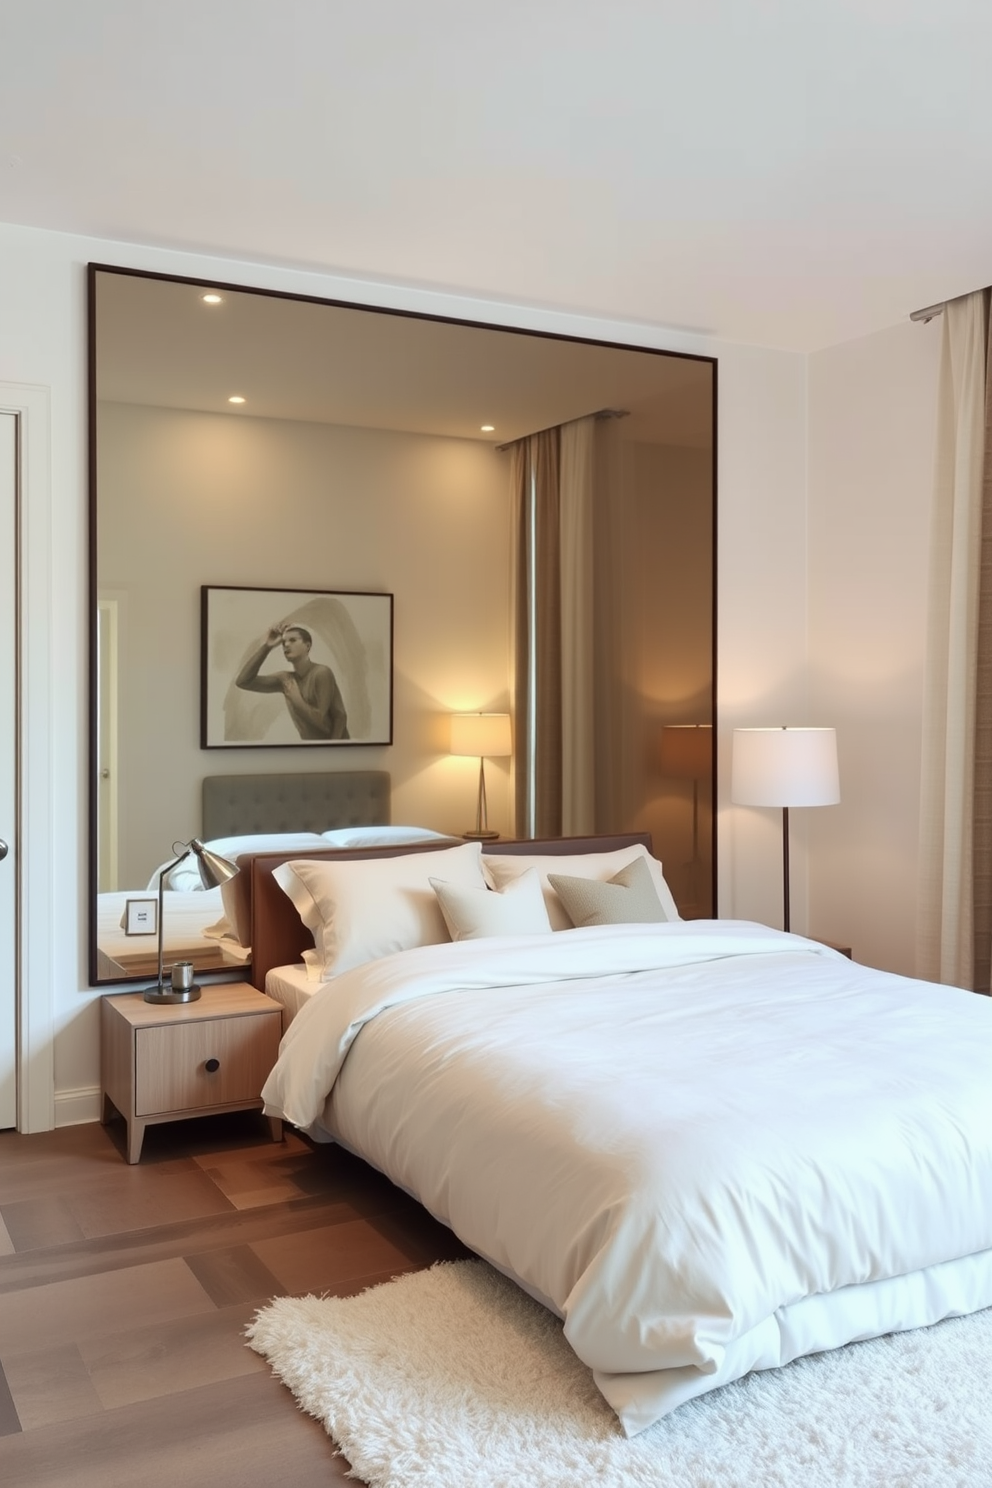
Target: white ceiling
<point>789,173</point>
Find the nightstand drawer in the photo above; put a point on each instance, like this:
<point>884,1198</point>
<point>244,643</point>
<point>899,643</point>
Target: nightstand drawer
<point>171,1062</point>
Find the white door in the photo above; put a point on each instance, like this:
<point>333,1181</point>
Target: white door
<point>8,767</point>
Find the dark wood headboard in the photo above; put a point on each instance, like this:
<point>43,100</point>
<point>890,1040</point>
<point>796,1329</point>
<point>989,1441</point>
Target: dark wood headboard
<point>278,935</point>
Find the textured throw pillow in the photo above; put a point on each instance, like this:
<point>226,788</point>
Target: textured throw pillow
<point>471,914</point>
<point>360,910</point>
<point>502,869</point>
<point>628,898</point>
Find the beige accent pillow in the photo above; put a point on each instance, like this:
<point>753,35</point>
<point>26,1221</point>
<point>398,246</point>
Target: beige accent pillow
<point>471,914</point>
<point>628,898</point>
<point>358,910</point>
<point>502,869</point>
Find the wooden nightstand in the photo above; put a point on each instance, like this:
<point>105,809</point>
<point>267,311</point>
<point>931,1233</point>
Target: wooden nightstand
<point>166,1062</point>
<point>844,950</point>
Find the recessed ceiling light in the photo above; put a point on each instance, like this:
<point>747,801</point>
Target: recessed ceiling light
<point>212,299</point>
<point>488,429</point>
<point>236,399</point>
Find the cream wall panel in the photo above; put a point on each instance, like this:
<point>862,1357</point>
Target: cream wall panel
<point>761,624</point>
<point>872,418</point>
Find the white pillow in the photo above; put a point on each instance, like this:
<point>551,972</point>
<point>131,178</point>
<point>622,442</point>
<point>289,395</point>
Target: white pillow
<point>501,869</point>
<point>380,836</point>
<point>471,914</point>
<point>360,910</point>
<point>186,875</point>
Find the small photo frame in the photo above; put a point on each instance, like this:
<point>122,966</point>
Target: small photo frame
<point>140,917</point>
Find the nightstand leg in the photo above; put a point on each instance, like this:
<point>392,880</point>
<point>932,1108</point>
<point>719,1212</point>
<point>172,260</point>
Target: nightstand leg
<point>135,1137</point>
<point>108,1109</point>
<point>275,1127</point>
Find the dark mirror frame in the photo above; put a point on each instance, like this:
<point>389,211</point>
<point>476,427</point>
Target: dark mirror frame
<point>94,269</point>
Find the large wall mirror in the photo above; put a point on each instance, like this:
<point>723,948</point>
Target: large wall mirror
<point>277,453</point>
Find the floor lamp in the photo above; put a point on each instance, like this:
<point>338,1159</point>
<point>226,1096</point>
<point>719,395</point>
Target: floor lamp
<point>785,767</point>
<point>482,736</point>
<point>686,753</point>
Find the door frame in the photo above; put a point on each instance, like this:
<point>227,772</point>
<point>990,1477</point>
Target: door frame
<point>36,857</point>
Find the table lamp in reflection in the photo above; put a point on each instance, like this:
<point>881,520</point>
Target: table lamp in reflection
<point>482,736</point>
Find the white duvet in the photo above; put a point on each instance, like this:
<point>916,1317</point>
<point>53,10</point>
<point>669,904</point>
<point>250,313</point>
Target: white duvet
<point>709,1146</point>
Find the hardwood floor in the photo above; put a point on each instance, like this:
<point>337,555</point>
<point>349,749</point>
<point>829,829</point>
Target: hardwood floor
<point>125,1290</point>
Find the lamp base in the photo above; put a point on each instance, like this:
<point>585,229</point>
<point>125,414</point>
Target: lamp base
<point>480,836</point>
<point>169,994</point>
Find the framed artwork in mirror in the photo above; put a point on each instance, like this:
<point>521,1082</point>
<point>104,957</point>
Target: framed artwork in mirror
<point>295,667</point>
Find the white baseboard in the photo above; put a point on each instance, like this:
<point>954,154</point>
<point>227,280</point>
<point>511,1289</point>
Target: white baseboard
<point>72,1107</point>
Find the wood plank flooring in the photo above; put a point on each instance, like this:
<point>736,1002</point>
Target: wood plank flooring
<point>125,1291</point>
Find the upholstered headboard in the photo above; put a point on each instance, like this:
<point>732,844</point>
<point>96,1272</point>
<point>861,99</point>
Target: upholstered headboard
<point>248,805</point>
<point>279,936</point>
<point>245,805</point>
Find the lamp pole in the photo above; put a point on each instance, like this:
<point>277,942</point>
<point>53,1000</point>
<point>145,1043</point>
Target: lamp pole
<point>785,867</point>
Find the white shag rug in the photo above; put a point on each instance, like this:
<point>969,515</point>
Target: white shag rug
<point>453,1378</point>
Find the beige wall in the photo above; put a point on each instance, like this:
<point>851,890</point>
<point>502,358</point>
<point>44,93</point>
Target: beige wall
<point>761,613</point>
<point>192,498</point>
<point>872,409</point>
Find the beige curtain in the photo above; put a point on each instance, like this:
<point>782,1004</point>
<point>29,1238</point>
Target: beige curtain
<point>578,786</point>
<point>945,946</point>
<point>537,678</point>
<point>552,475</point>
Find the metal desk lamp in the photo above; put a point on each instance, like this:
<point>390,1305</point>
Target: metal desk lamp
<point>214,870</point>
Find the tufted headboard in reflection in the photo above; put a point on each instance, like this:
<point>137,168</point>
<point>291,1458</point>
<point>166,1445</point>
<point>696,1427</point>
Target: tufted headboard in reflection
<point>245,805</point>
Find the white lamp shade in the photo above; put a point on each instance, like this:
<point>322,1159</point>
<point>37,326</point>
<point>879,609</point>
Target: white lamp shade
<point>785,767</point>
<point>481,734</point>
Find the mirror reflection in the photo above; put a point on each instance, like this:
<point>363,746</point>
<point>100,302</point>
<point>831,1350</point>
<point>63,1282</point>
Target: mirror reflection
<point>534,514</point>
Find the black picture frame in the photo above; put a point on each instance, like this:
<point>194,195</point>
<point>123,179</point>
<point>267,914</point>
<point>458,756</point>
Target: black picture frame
<point>336,646</point>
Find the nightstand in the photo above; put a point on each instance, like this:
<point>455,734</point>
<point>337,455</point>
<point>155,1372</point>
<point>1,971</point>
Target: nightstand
<point>844,950</point>
<point>167,1062</point>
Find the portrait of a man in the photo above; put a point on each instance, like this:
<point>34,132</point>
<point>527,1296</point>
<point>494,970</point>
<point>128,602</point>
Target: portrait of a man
<point>312,694</point>
<point>321,674</point>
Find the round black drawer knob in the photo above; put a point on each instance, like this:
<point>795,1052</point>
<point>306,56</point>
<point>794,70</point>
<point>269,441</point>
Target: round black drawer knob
<point>212,1065</point>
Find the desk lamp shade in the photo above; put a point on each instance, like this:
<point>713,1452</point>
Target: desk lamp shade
<point>686,751</point>
<point>214,870</point>
<point>482,736</point>
<point>785,767</point>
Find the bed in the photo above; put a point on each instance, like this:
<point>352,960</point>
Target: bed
<point>709,1146</point>
<point>299,811</point>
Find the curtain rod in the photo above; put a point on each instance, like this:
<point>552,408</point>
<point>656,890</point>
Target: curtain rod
<point>929,313</point>
<point>601,413</point>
